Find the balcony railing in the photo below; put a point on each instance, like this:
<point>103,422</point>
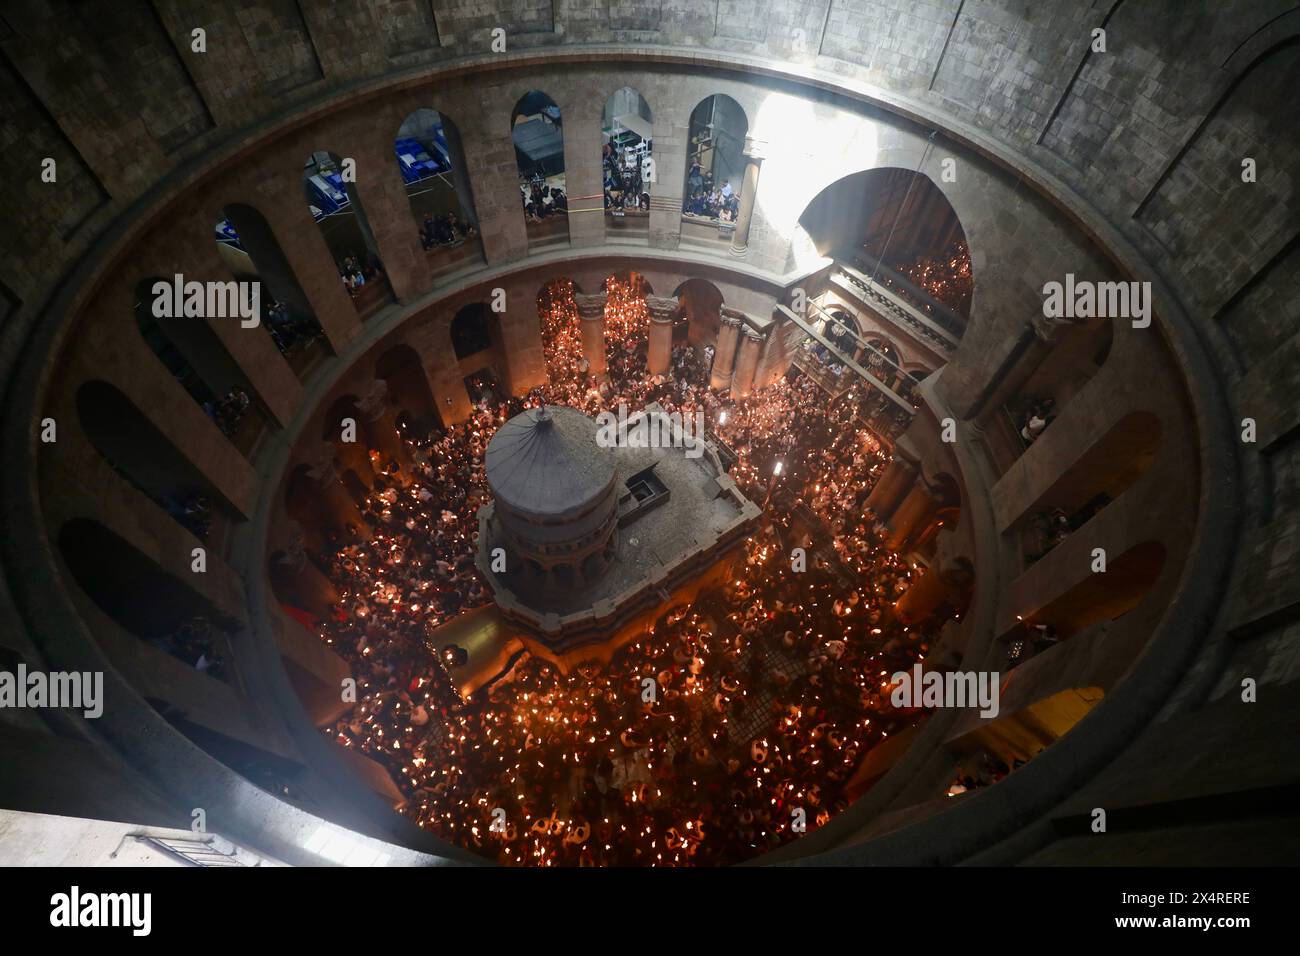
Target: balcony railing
<point>895,309</point>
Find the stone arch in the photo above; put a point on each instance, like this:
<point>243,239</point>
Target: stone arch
<point>1097,478</point>
<point>192,353</point>
<point>136,594</point>
<point>471,329</point>
<point>898,226</point>
<point>408,386</point>
<point>352,455</point>
<point>714,157</point>
<point>143,456</point>
<point>701,304</point>
<point>331,194</point>
<point>537,131</point>
<point>249,247</point>
<point>435,174</point>
<point>626,159</point>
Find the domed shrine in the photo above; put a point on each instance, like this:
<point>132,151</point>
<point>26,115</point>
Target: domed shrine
<point>581,538</point>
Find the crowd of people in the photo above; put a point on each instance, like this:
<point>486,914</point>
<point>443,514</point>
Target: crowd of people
<point>1038,414</point>
<point>706,199</point>
<point>444,229</point>
<point>193,642</point>
<point>624,179</point>
<point>542,201</point>
<point>356,271</point>
<point>193,511</point>
<point>228,410</point>
<point>768,691</point>
<point>291,330</point>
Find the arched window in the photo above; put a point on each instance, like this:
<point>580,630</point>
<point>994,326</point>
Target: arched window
<point>432,164</point>
<point>471,330</point>
<point>408,389</point>
<point>144,457</point>
<point>896,227</point>
<point>538,133</point>
<point>627,166</point>
<point>715,160</point>
<point>143,599</point>
<point>191,351</point>
<point>1112,464</point>
<point>701,304</point>
<point>250,249</point>
<point>330,189</point>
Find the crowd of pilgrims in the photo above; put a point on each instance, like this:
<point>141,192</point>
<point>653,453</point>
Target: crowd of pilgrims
<point>622,171</point>
<point>768,691</point>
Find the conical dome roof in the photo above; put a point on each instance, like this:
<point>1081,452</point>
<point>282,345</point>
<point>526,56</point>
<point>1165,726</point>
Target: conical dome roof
<point>545,463</point>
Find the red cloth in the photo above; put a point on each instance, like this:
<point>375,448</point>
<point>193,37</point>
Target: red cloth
<point>305,618</point>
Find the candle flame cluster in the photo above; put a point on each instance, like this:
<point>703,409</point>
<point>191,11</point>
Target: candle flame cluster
<point>767,690</point>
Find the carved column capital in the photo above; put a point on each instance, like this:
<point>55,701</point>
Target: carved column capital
<point>320,464</point>
<point>661,308</point>
<point>374,403</point>
<point>591,308</point>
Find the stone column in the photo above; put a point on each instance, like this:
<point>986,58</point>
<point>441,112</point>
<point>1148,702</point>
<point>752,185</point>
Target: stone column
<point>314,591</point>
<point>753,161</point>
<point>335,497</point>
<point>459,172</point>
<point>724,357</point>
<point>251,349</point>
<point>922,597</point>
<point>670,174</point>
<point>583,176</point>
<point>937,585</point>
<point>891,487</point>
<point>911,515</point>
<point>432,342</point>
<point>1018,368</point>
<point>751,344</point>
<point>381,420</point>
<point>313,267</point>
<point>380,190</point>
<point>591,312</point>
<point>662,309</point>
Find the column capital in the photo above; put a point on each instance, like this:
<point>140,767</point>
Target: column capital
<point>320,464</point>
<point>752,334</point>
<point>374,403</point>
<point>662,308</point>
<point>1048,329</point>
<point>590,307</point>
<point>755,149</point>
<point>731,317</point>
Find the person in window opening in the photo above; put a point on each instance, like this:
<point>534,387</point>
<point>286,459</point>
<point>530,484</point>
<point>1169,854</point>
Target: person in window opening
<point>695,178</point>
<point>1040,415</point>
